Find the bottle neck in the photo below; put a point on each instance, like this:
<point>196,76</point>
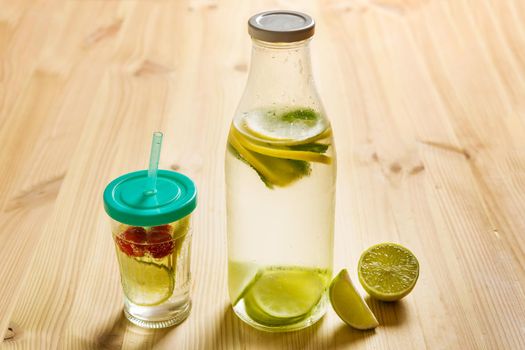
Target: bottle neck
<point>280,74</point>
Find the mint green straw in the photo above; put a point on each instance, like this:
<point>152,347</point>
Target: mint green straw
<point>154,156</point>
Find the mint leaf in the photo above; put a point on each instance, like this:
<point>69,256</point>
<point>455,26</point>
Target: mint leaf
<point>311,147</point>
<point>302,168</point>
<point>300,114</point>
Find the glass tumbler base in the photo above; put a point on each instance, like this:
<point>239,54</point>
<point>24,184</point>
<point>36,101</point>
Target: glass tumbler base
<point>318,312</point>
<point>174,318</point>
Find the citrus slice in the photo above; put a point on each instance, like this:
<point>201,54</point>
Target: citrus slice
<point>241,275</point>
<point>282,153</point>
<point>294,125</point>
<point>388,271</point>
<point>273,171</point>
<point>348,303</point>
<point>146,283</point>
<point>281,296</point>
<point>253,160</point>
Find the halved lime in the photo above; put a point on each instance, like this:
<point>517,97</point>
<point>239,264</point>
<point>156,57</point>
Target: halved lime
<point>388,271</point>
<point>281,296</point>
<point>145,283</point>
<point>294,125</point>
<point>348,303</point>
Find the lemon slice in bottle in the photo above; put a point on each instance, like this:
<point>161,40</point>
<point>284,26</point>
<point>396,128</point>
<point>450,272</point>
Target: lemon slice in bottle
<point>388,271</point>
<point>146,283</point>
<point>290,126</point>
<point>279,152</point>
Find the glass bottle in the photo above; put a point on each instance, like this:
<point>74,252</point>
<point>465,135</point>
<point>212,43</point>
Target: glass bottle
<point>280,182</point>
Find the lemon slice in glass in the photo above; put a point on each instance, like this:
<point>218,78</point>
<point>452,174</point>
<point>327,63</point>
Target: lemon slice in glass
<point>348,303</point>
<point>283,296</point>
<point>146,283</point>
<point>388,271</point>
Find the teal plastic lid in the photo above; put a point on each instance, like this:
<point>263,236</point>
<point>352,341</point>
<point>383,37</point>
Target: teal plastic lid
<point>126,200</point>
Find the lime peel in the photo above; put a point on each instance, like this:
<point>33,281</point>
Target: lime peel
<point>348,303</point>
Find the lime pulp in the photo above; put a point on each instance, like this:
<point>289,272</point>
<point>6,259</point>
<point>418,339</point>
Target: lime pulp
<point>388,271</point>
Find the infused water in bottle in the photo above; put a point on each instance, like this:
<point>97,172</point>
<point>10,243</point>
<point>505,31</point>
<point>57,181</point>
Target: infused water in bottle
<point>280,176</point>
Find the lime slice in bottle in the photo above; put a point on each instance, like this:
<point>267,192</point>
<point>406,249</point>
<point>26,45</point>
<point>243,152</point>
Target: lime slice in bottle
<point>348,303</point>
<point>283,296</point>
<point>388,271</point>
<point>290,126</point>
<point>146,283</point>
<point>241,275</point>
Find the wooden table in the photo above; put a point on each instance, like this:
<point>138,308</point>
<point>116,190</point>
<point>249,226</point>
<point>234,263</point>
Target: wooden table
<point>427,100</point>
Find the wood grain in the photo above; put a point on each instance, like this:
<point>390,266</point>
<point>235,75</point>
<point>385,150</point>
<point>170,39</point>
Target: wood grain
<point>427,103</point>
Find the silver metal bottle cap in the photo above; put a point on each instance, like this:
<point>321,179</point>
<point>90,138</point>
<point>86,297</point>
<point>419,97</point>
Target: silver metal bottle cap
<point>281,26</point>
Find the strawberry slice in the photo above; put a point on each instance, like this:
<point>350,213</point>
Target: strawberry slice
<point>160,243</point>
<point>131,242</point>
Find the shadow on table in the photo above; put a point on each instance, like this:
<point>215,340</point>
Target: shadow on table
<point>345,336</point>
<point>232,333</point>
<point>139,338</point>
<point>389,314</point>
